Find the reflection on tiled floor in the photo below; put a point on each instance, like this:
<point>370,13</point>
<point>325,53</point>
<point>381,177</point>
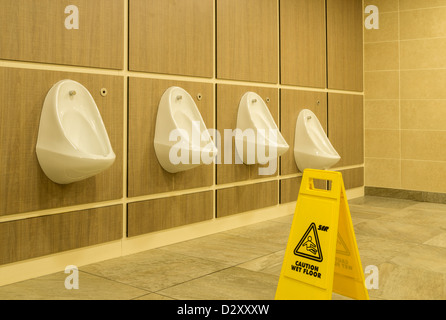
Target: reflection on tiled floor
<point>406,240</point>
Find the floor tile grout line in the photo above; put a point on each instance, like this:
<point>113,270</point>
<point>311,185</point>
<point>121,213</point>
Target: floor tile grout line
<point>193,279</point>
<point>394,239</point>
<point>117,281</point>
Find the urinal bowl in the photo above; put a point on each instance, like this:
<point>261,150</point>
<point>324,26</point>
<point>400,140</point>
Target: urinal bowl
<point>250,151</point>
<point>72,143</point>
<point>64,169</point>
<point>315,161</point>
<point>312,148</point>
<point>194,156</point>
<point>182,140</point>
<point>258,139</point>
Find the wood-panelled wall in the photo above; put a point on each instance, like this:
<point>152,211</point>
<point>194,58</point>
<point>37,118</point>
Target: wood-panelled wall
<point>295,54</point>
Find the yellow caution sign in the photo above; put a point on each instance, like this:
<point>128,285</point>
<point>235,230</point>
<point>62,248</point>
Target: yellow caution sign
<point>322,254</point>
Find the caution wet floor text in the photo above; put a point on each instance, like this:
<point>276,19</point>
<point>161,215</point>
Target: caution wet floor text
<point>321,255</point>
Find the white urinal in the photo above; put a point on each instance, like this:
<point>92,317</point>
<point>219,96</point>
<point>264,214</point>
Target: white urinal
<point>312,149</point>
<point>259,140</point>
<point>182,141</point>
<point>72,143</point>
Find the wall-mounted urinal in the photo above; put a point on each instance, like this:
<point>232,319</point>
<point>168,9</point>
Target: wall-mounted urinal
<point>182,140</point>
<point>72,142</point>
<point>312,149</point>
<point>259,140</point>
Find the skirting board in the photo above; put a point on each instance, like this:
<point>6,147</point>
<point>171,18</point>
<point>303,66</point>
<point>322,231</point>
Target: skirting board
<point>420,196</point>
<point>33,268</point>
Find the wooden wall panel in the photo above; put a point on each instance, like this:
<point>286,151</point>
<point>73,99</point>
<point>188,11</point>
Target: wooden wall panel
<point>292,103</point>
<point>171,37</point>
<point>246,198</point>
<point>23,185</point>
<point>145,174</point>
<point>289,189</point>
<point>228,99</point>
<point>345,44</point>
<point>247,40</point>
<point>302,43</point>
<point>346,127</point>
<point>353,178</point>
<point>36,237</point>
<point>160,214</point>
<point>35,31</point>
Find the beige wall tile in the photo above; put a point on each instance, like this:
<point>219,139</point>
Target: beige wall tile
<point>382,114</point>
<point>384,173</point>
<point>426,23</point>
<point>405,109</point>
<point>423,175</point>
<point>417,4</point>
<point>381,56</point>
<point>381,85</point>
<point>423,84</point>
<point>423,114</point>
<point>388,29</point>
<point>423,54</point>
<point>383,5</point>
<point>423,145</point>
<point>382,143</point>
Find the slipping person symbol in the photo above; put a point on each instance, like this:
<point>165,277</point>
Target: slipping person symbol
<point>310,246</point>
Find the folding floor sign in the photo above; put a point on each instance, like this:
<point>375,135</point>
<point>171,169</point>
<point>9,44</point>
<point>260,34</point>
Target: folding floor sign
<point>322,254</point>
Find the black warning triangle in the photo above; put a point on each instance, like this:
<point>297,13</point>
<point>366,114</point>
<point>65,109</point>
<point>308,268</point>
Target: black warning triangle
<point>309,246</point>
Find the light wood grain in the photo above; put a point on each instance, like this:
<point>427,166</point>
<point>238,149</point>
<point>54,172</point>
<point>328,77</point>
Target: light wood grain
<point>345,44</point>
<point>302,43</point>
<point>289,189</point>
<point>161,214</point>
<point>171,37</point>
<point>35,31</point>
<point>353,178</point>
<point>145,174</point>
<point>346,127</point>
<point>36,237</point>
<point>292,103</point>
<point>247,40</point>
<point>23,185</point>
<point>245,198</point>
<point>228,100</point>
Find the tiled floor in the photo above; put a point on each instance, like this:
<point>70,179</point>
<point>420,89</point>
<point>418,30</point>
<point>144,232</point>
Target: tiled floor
<point>406,240</point>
